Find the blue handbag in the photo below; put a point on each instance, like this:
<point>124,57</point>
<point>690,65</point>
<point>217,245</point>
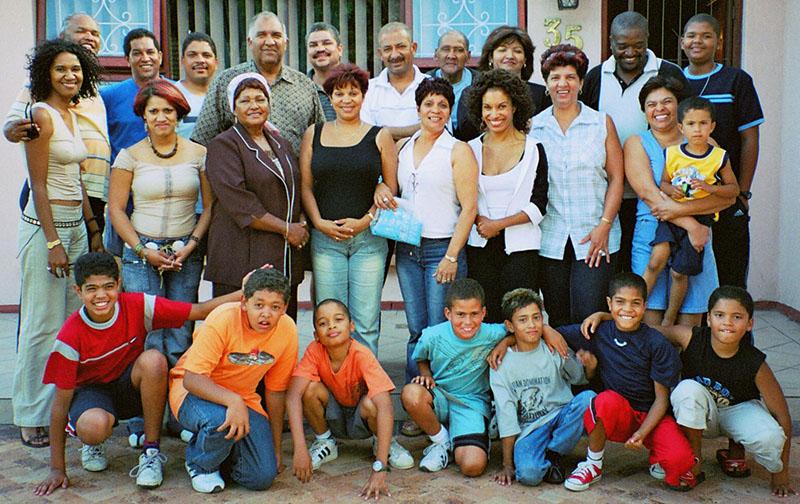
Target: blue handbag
<point>399,224</point>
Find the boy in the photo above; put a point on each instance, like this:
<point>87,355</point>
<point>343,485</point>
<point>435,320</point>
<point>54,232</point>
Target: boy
<point>212,389</point>
<point>738,118</point>
<point>693,170</point>
<point>102,372</point>
<point>340,386</point>
<point>538,418</point>
<point>637,367</point>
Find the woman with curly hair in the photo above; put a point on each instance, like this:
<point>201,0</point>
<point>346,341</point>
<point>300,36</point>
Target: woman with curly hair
<point>502,252</point>
<point>52,232</point>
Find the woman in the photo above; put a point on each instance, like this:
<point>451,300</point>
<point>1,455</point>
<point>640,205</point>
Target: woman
<point>506,48</point>
<point>512,190</point>
<point>644,163</point>
<point>163,172</point>
<point>254,177</point>
<point>580,232</point>
<point>341,162</point>
<point>51,232</point>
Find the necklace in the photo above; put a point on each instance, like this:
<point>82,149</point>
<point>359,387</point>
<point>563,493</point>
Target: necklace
<point>168,154</point>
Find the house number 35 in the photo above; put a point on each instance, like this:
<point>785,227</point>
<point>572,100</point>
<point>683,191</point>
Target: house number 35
<point>554,34</point>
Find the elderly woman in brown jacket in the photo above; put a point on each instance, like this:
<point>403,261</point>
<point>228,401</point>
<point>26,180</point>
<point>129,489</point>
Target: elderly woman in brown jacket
<point>257,216</point>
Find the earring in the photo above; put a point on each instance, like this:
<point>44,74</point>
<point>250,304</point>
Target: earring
<point>580,91</point>
<point>491,64</point>
<point>547,91</point>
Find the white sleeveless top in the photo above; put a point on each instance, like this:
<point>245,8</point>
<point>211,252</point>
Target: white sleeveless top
<point>66,152</point>
<point>430,188</point>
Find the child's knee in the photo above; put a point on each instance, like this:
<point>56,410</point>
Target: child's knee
<point>472,465</point>
<point>414,396</point>
<point>367,408</point>
<point>766,442</point>
<point>690,404</point>
<point>315,393</point>
<point>152,364</point>
<point>94,426</point>
<point>677,277</point>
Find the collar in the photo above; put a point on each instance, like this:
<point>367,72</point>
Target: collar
<point>284,74</point>
<point>651,65</point>
<point>99,325</point>
<point>466,76</point>
<point>689,76</point>
<point>585,116</point>
<point>383,78</point>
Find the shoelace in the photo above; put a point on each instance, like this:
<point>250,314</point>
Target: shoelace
<point>149,462</point>
<point>92,450</point>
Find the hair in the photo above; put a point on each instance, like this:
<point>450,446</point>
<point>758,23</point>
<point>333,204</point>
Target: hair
<point>657,82</point>
<point>564,55</point>
<point>270,280</point>
<point>695,103</point>
<point>627,279</point>
<point>251,25</point>
<point>434,86</point>
<point>517,299</point>
<point>164,89</point>
<point>249,83</point>
<point>95,263</point>
<point>322,26</point>
<point>462,289</point>
<point>328,301</point>
<point>344,74</point>
<point>516,89</point>
<point>734,293</point>
<point>395,26</point>
<point>502,35</point>
<point>457,32</point>
<point>68,20</point>
<point>703,18</point>
<point>198,37</point>
<point>41,60</point>
<point>137,34</point>
<point>629,20</point>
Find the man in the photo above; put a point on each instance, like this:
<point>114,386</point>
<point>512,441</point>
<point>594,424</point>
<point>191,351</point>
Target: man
<point>294,105</point>
<point>324,48</point>
<point>452,54</point>
<point>390,99</point>
<point>199,63</point>
<point>613,87</point>
<point>83,30</point>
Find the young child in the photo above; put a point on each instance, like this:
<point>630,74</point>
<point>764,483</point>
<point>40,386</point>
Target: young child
<point>212,388</point>
<point>693,170</point>
<point>637,367</point>
<point>538,418</point>
<point>102,372</point>
<point>343,391</point>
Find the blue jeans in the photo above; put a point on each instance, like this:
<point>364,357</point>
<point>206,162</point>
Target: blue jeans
<point>559,435</point>
<point>352,272</point>
<point>249,462</point>
<point>423,296</point>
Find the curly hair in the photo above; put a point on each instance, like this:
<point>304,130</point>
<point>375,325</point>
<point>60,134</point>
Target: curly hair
<point>345,74</point>
<point>515,88</point>
<point>41,59</point>
<point>163,89</point>
<point>505,35</point>
<point>657,82</point>
<point>562,55</point>
<point>435,86</point>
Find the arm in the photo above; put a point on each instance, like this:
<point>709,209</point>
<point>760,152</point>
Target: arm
<point>301,461</point>
<point>237,420</point>
<point>496,356</point>
<point>748,160</point>
<point>775,401</point>
<point>729,187</point>
<point>506,407</point>
<point>403,131</point>
<point>506,475</point>
<point>425,377</point>
<point>200,311</point>
<point>203,223</point>
<point>276,405</point>
<point>95,236</point>
<point>678,335</point>
<point>376,484</point>
<point>654,415</point>
<point>57,478</point>
<point>16,126</point>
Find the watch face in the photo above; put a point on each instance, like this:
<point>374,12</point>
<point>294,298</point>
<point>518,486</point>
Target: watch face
<point>377,466</point>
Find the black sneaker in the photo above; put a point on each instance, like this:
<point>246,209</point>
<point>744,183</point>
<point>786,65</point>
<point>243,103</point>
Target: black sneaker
<point>555,473</point>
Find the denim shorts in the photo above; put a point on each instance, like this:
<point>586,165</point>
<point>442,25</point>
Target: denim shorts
<point>119,398</point>
<point>344,422</point>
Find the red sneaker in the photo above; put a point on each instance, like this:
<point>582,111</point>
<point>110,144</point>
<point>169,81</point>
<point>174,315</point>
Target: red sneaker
<point>583,476</point>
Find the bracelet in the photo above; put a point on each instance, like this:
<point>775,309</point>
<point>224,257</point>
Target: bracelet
<point>194,238</point>
<point>53,244</point>
<point>451,258</point>
<point>603,219</point>
<point>139,250</point>
<point>371,217</point>
<point>286,235</point>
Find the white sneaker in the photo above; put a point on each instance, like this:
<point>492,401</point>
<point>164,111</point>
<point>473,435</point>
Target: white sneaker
<point>149,473</point>
<point>206,482</point>
<point>399,457</point>
<point>136,439</point>
<point>657,472</point>
<point>435,457</point>
<point>323,450</point>
<point>93,457</point>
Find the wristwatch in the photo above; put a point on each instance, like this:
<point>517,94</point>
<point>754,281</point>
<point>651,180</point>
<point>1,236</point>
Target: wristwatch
<point>379,466</point>
<point>451,259</point>
<point>746,194</point>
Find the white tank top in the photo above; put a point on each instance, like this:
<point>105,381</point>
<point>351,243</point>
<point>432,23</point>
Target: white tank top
<point>66,152</point>
<point>430,188</point>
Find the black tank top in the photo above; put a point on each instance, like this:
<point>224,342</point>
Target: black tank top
<point>345,177</point>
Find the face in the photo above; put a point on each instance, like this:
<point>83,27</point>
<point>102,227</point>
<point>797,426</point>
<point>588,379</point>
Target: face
<point>699,42</point>
<point>83,30</point>
<point>99,295</point>
<point>263,309</point>
<point>66,75</point>
<point>346,101</point>
<point>465,316</point>
<point>627,307</point>
<point>564,85</point>
<point>729,321</point>
<point>199,62</point>
<point>510,56</point>
<point>323,51</point>
<point>160,116</point>
<point>397,52</point>
<point>661,109</point>
<point>144,59</point>
<point>434,112</point>
<point>251,107</point>
<point>268,42</point>
<point>332,326</point>
<point>629,48</point>
<point>452,54</point>
<point>697,125</point>
<point>526,324</point>
<point>497,111</point>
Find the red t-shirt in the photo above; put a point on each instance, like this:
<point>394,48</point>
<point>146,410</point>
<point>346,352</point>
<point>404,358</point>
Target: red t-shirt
<point>87,352</point>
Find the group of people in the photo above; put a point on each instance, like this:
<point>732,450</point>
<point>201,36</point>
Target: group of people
<point>518,186</point>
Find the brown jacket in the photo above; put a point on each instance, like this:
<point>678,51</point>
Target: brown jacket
<point>246,185</point>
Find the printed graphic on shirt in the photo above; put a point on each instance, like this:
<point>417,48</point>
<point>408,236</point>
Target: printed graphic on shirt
<point>254,358</point>
<point>722,396</point>
<point>682,179</point>
<point>531,398</point>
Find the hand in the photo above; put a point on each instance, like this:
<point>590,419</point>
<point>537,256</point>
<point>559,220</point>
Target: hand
<point>158,259</point>
<point>96,242</point>
<point>301,465</point>
<point>17,131</point>
<point>556,343</point>
<point>666,209</point>
<point>446,271</point>
<point>384,198</point>
<point>425,381</point>
<point>354,226</point>
<point>487,228</point>
<point>237,421</point>
<point>298,234</point>
<point>675,192</point>
<point>55,480</point>
<point>376,485</point>
<point>247,276</point>
<point>496,357</point>
<point>505,476</point>
<point>779,484</point>
<point>698,237</point>
<point>599,245</point>
<point>58,262</point>
<point>635,442</point>
<point>588,360</point>
<point>591,323</point>
<point>701,184</point>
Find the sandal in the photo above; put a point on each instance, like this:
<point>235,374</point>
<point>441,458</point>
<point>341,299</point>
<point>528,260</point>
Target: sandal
<point>41,438</point>
<point>734,468</point>
<point>687,481</point>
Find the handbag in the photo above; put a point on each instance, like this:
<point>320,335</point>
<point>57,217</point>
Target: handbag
<point>399,224</point>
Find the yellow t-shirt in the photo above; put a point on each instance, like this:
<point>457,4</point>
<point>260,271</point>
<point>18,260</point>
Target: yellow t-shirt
<point>682,166</point>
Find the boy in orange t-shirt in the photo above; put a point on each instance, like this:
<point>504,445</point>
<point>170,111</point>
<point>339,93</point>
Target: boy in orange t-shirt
<point>213,386</point>
<point>340,386</point>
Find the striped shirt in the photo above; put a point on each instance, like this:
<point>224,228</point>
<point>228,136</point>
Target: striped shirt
<point>324,99</point>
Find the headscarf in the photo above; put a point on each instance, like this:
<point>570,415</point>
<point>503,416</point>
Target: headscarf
<point>234,83</point>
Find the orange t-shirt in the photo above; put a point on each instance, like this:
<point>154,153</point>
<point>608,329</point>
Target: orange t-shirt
<point>360,373</point>
<point>236,357</point>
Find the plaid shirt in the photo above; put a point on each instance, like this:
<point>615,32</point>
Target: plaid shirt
<point>294,105</point>
<point>578,181</point>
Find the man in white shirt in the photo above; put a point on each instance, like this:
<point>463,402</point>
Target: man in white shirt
<point>199,63</point>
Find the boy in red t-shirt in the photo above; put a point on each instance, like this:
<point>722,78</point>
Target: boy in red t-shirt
<point>102,372</point>
<point>340,386</point>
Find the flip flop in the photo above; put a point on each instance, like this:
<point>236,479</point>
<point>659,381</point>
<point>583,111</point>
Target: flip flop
<point>687,481</point>
<point>39,440</point>
<point>734,468</point>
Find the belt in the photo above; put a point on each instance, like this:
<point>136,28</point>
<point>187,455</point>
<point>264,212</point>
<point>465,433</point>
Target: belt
<point>58,224</point>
